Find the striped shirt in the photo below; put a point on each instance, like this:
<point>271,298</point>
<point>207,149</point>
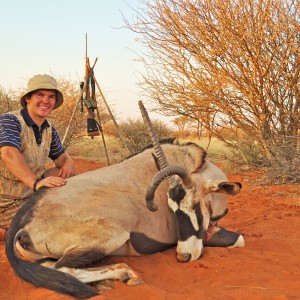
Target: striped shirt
<point>10,129</point>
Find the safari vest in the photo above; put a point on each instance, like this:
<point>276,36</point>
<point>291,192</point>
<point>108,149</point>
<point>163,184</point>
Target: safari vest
<point>35,156</point>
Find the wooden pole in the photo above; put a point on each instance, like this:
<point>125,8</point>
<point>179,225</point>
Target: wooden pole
<point>88,74</point>
<point>91,113</point>
<point>74,111</point>
<point>102,135</point>
<point>116,124</point>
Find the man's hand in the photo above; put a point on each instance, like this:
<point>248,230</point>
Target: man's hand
<point>51,181</point>
<point>66,165</point>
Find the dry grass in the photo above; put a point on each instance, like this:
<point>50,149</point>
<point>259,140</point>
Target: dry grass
<point>93,149</point>
<point>216,152</point>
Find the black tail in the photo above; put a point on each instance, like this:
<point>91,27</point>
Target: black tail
<point>35,273</point>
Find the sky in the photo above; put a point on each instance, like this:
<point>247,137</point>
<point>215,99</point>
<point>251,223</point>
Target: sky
<point>39,37</point>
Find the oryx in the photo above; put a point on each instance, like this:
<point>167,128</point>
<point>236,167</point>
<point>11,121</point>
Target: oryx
<point>104,212</point>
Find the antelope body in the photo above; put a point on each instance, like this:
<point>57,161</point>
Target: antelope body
<point>104,212</point>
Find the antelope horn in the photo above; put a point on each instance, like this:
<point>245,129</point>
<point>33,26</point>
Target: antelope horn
<point>160,177</point>
<point>154,139</point>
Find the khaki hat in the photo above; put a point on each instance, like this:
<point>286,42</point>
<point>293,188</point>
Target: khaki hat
<point>43,82</point>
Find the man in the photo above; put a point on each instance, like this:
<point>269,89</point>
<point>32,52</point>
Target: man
<point>27,139</point>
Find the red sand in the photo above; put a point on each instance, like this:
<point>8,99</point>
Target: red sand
<point>267,268</point>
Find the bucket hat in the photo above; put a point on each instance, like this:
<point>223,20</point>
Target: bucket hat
<point>40,82</point>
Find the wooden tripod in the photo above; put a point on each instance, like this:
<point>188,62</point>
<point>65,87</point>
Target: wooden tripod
<point>88,88</point>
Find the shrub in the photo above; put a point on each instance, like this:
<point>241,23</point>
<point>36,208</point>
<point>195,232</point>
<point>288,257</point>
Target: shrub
<point>135,133</point>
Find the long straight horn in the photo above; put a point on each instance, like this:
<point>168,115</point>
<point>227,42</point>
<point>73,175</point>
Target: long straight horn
<point>160,177</point>
<point>163,163</point>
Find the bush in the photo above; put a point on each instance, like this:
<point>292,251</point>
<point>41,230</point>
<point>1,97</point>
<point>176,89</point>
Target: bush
<point>9,101</point>
<point>283,167</point>
<point>135,133</point>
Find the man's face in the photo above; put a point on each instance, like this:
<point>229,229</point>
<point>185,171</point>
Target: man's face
<point>41,103</point>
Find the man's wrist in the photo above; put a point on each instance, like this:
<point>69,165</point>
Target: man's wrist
<point>36,182</point>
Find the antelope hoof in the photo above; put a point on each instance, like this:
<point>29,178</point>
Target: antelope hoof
<point>240,243</point>
<point>130,280</point>
<point>134,282</point>
<point>105,285</point>
<point>183,257</point>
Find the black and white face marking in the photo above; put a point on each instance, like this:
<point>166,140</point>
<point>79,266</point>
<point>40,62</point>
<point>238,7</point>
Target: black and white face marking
<point>143,244</point>
<point>189,222</point>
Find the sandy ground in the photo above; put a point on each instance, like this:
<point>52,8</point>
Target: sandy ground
<point>267,268</point>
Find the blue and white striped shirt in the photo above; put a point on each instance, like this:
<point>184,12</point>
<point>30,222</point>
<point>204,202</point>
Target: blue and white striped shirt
<point>10,129</point>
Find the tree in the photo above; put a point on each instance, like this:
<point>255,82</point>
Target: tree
<point>226,63</point>
<point>8,101</point>
<point>187,126</point>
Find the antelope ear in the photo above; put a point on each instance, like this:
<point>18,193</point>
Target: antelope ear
<point>225,187</point>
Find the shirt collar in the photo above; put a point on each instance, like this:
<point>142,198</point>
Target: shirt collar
<point>30,122</point>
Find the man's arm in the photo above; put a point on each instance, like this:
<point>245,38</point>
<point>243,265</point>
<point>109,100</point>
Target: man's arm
<point>66,165</point>
<point>18,166</point>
